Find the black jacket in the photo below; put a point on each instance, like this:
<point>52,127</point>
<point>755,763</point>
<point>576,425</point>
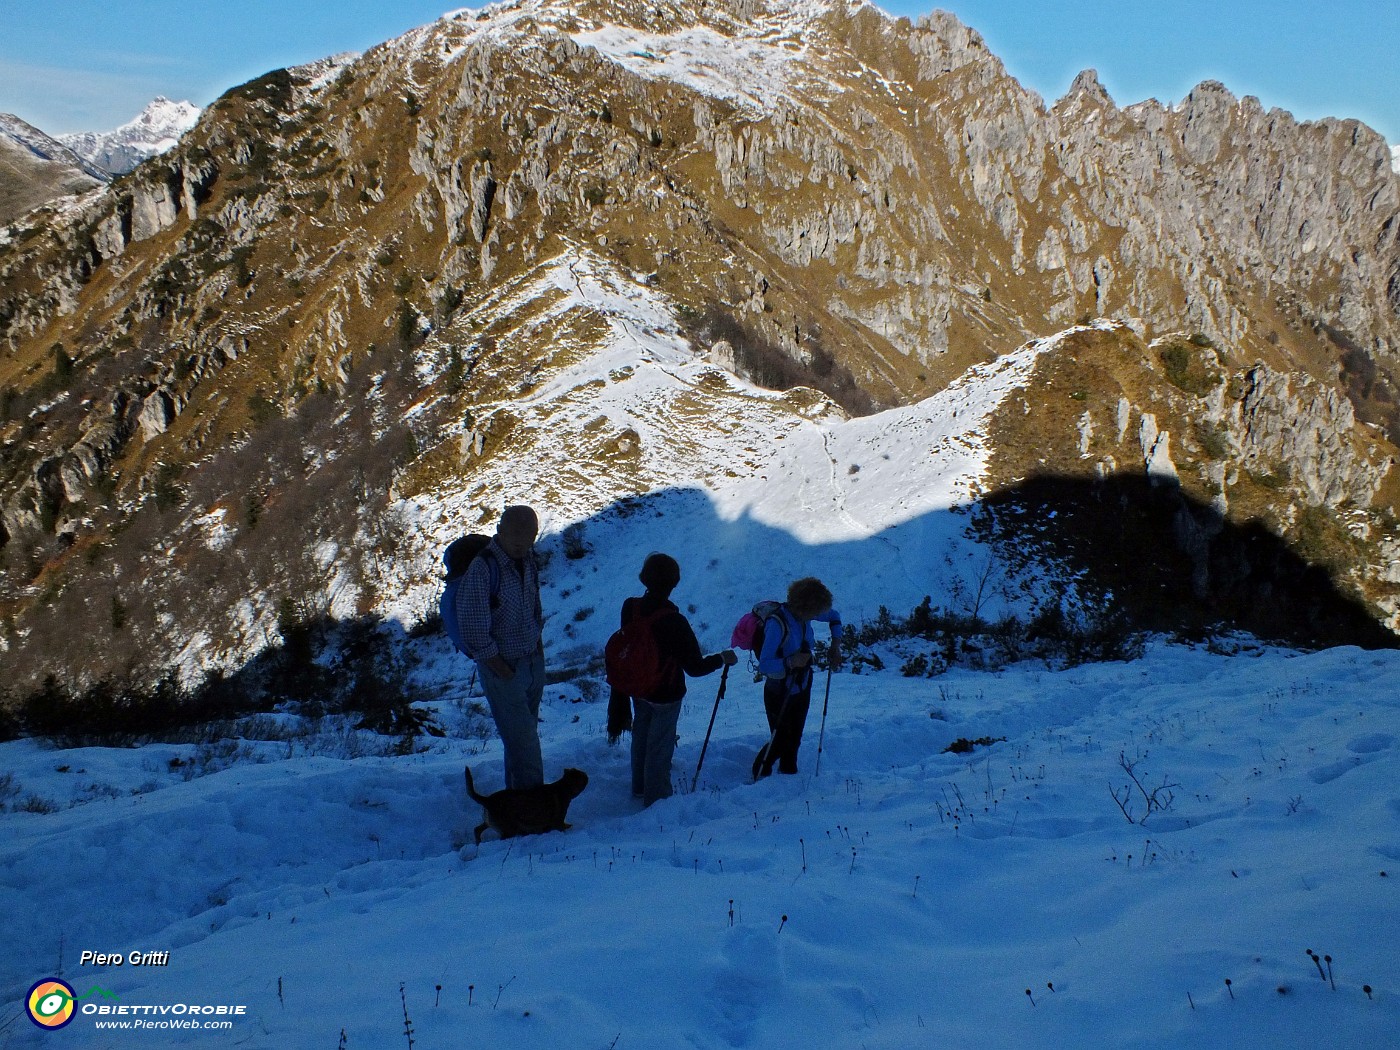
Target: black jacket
<point>677,643</point>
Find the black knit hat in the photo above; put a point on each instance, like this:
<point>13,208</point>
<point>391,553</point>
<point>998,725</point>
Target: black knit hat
<point>660,572</point>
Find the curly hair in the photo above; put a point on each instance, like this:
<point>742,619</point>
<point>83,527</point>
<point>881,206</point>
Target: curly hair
<point>808,597</point>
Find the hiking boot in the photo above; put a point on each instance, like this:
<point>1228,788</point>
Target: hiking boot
<point>762,767</point>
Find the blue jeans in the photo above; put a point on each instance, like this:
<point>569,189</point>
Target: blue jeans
<point>515,705</point>
<point>653,744</point>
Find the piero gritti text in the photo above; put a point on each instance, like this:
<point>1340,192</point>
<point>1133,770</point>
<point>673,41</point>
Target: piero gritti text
<point>136,958</point>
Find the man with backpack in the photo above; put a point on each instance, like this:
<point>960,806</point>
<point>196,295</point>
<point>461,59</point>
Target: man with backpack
<point>498,614</point>
<point>647,661</point>
<point>785,661</point>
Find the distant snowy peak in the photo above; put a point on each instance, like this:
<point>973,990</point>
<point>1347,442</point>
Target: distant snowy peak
<point>1395,159</point>
<point>155,130</point>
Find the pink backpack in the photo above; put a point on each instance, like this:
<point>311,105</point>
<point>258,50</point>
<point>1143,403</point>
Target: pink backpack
<point>748,632</point>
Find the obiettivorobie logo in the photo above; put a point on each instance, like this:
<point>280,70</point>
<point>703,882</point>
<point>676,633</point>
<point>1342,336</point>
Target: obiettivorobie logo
<point>50,1003</point>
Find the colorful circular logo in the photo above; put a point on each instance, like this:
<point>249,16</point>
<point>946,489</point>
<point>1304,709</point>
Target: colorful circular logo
<point>50,1003</point>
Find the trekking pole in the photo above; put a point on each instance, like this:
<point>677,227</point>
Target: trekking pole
<point>822,736</point>
<point>723,678</point>
<point>767,749</point>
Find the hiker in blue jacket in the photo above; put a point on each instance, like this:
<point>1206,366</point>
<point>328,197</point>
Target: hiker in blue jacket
<point>653,717</point>
<point>785,661</point>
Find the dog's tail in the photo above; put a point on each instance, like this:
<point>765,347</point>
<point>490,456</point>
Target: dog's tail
<point>471,788</point>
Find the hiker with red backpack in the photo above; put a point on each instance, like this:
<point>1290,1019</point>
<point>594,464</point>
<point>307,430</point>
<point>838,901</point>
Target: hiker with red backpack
<point>647,661</point>
<point>785,662</point>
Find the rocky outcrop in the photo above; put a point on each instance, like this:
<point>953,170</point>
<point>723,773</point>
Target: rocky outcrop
<point>157,199</point>
<point>155,205</point>
<point>42,278</point>
<point>70,475</point>
<point>173,389</point>
<point>483,192</point>
<point>1306,428</point>
<point>157,413</point>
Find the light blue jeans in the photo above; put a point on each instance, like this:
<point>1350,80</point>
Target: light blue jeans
<point>515,705</point>
<point>653,744</point>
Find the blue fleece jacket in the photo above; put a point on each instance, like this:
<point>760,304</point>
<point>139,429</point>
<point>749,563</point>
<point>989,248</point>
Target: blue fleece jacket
<point>781,641</point>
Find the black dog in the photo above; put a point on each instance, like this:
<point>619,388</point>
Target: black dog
<point>528,811</point>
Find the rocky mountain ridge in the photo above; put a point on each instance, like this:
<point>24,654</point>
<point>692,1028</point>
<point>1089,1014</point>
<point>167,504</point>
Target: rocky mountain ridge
<point>36,169</point>
<point>820,193</point>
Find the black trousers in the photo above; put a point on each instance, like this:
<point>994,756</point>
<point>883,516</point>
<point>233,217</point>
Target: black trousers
<point>786,702</point>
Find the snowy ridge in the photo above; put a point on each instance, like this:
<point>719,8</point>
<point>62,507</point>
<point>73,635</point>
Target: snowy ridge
<point>1395,159</point>
<point>749,70</point>
<point>925,458</point>
<point>627,407</point>
<point>750,61</point>
<point>323,71</point>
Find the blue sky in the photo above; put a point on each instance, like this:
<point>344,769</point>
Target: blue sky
<point>89,65</point>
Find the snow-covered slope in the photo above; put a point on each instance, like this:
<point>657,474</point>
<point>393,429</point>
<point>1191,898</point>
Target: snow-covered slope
<point>751,68</point>
<point>901,897</point>
<point>157,128</point>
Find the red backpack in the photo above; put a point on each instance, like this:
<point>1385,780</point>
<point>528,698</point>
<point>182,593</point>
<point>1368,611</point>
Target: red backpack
<point>633,660</point>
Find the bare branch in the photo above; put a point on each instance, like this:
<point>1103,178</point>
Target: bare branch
<point>1159,799</point>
